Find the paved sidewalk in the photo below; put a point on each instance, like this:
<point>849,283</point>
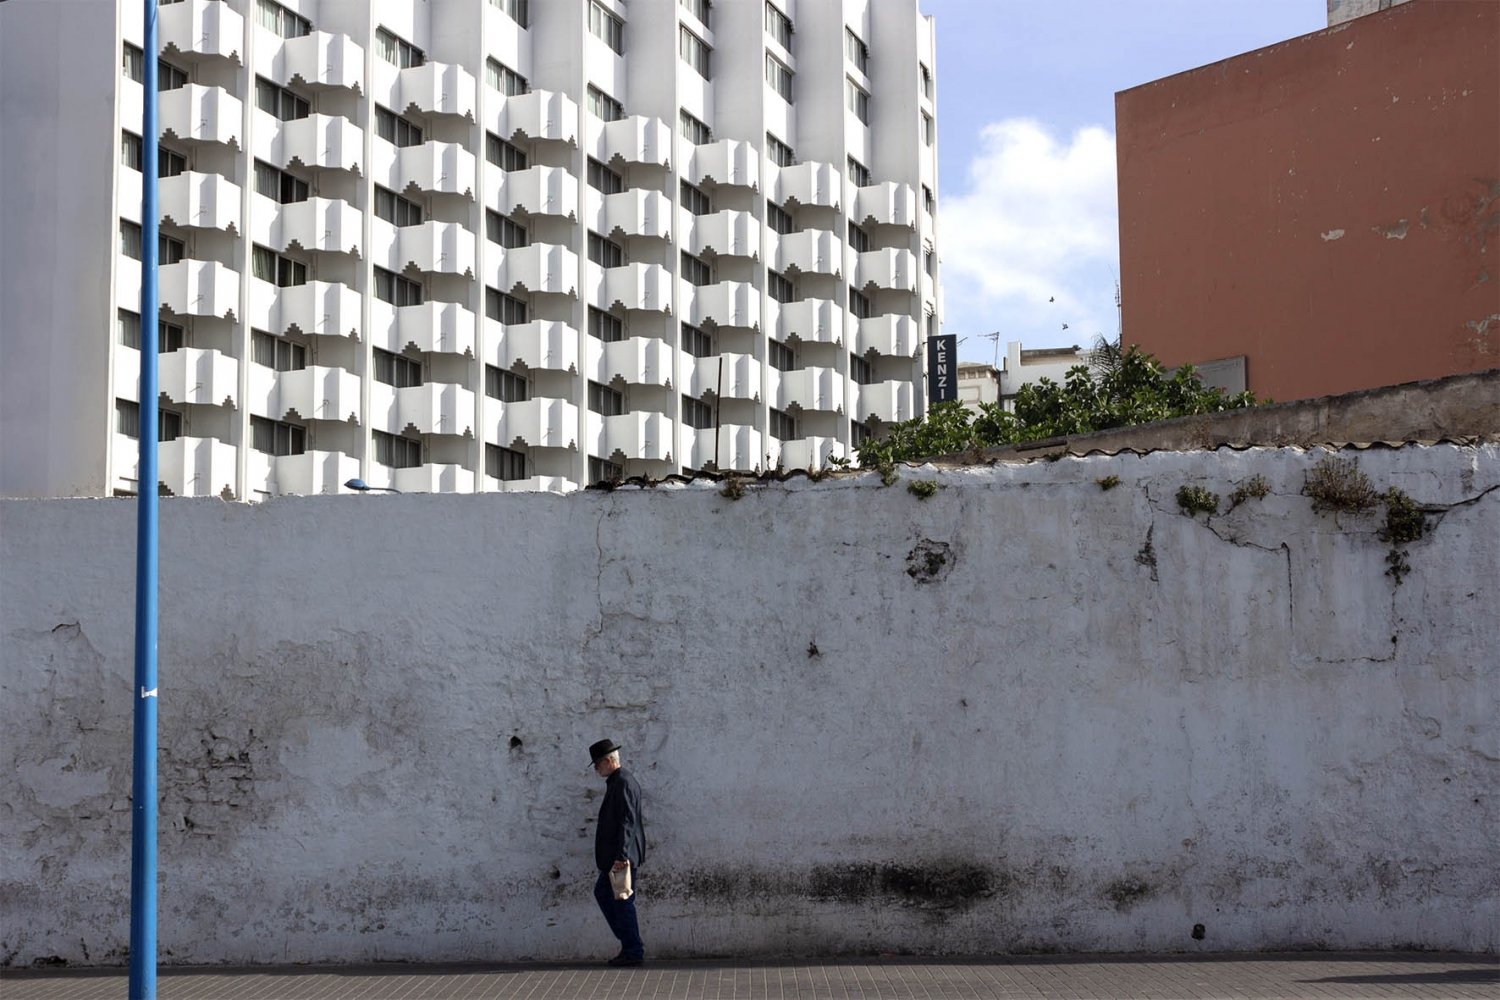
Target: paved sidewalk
<point>1255,977</point>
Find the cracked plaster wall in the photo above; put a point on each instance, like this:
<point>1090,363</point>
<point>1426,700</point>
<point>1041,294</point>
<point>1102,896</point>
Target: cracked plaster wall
<point>1027,713</point>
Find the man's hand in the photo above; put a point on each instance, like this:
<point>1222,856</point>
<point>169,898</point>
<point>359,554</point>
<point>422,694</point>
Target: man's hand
<point>619,866</point>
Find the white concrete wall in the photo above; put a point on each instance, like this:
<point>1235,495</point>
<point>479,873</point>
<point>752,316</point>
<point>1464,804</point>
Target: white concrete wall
<point>1099,723</point>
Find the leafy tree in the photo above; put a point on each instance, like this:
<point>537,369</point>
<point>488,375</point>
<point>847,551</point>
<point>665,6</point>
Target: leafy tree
<point>1132,388</point>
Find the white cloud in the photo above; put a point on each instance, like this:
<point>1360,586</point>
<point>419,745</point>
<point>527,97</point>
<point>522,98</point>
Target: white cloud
<point>1038,220</point>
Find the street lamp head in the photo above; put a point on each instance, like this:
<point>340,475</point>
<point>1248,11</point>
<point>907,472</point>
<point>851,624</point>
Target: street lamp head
<point>358,484</point>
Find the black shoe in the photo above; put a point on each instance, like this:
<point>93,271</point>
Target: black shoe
<point>623,959</point>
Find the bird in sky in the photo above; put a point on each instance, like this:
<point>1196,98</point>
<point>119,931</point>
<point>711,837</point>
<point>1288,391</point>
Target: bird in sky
<point>1065,326</point>
<point>1052,298</point>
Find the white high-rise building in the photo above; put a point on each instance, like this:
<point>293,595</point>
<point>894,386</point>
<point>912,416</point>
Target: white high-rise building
<point>463,245</point>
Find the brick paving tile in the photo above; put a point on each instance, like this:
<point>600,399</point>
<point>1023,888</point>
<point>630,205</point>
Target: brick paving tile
<point>1356,976</point>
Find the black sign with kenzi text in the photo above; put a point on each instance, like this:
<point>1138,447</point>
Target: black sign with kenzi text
<point>942,368</point>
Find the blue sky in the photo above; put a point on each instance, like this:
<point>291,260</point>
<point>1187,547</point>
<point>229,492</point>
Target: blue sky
<point>1026,99</point>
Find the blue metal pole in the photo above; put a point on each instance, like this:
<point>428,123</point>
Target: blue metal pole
<point>143,767</point>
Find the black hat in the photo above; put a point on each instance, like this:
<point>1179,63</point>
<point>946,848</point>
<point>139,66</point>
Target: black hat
<point>600,749</point>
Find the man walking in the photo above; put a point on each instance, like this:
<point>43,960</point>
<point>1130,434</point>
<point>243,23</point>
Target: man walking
<point>619,841</point>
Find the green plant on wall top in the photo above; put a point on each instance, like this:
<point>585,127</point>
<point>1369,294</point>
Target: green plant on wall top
<point>922,488</point>
<point>1337,484</point>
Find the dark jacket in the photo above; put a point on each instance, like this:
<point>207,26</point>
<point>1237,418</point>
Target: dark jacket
<point>620,835</point>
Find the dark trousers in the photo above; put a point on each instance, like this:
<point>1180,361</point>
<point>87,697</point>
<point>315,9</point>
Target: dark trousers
<point>620,913</point>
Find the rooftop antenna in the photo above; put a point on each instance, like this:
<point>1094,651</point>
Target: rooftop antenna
<point>995,339</point>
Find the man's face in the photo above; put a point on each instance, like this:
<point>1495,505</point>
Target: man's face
<point>605,766</point>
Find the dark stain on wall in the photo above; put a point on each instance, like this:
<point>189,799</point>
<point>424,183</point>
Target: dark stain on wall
<point>936,886</point>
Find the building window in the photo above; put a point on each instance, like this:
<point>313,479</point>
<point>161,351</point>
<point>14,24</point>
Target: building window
<point>603,399</point>
<point>169,249</point>
<point>130,239</point>
<point>279,102</point>
<point>779,219</point>
<point>780,287</point>
<point>506,309</point>
<point>601,471</point>
<point>169,162</point>
<point>696,413</point>
<point>693,130</point>
<point>605,252</point>
<point>696,342</point>
<point>601,105</point>
<point>277,437</point>
<point>926,81</point>
<point>395,209</point>
<point>504,79</point>
<point>397,452</point>
<point>859,240</point>
<point>693,50</point>
<point>859,101</point>
<point>517,10</point>
<point>859,305</point>
<point>605,327</point>
<point>858,433</point>
<point>701,9</point>
<point>133,63</point>
<point>503,154</point>
<point>857,51</point>
<point>128,421</point>
<point>779,77</point>
<point>779,26</point>
<point>396,50</point>
<point>695,199</point>
<point>277,19</point>
<point>503,463</point>
<point>169,77</point>
<point>277,353</point>
<point>929,262</point>
<point>779,152</point>
<point>859,174</point>
<point>927,129</point>
<point>169,336</point>
<point>860,370</point>
<point>601,178</point>
<point>780,356</point>
<point>505,231</point>
<point>131,151</point>
<point>398,291</point>
<point>606,27</point>
<point>783,426</point>
<point>393,369</point>
<point>508,387</point>
<point>397,130</point>
<point>696,271</point>
<point>928,201</point>
<point>268,265</point>
<point>932,325</point>
<point>278,185</point>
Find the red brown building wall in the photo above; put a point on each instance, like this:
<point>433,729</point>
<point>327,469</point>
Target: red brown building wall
<point>1327,207</point>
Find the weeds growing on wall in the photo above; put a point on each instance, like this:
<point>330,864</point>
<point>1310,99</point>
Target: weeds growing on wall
<point>1404,520</point>
<point>1107,483</point>
<point>1193,499</point>
<point>1253,488</point>
<point>1337,484</point>
<point>922,488</point>
<point>733,489</point>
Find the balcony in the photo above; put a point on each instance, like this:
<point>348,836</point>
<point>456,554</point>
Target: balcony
<point>202,28</point>
<point>727,234</point>
<point>433,479</point>
<point>810,452</point>
<point>536,423</point>
<point>637,360</point>
<point>820,321</point>
<point>195,375</point>
<point>540,191</point>
<point>636,286</point>
<point>318,309</point>
<point>199,288</point>
<point>889,269</point>
<point>541,267</point>
<point>814,389</point>
<point>436,167</point>
<point>728,303</point>
<point>889,401</point>
<point>811,183</point>
<point>196,113</point>
<point>197,201</point>
<point>436,88</point>
<point>431,408</point>
<point>435,248</point>
<point>635,212</point>
<point>730,162</point>
<point>441,327</point>
<point>322,59</point>
<point>886,204</point>
<point>196,467</point>
<point>634,139</point>
<point>311,472</point>
<point>317,392</point>
<point>641,434</point>
<point>893,334</point>
<point>325,225</point>
<point>735,447</point>
<point>541,114</point>
<point>728,376</point>
<point>544,345</point>
<point>322,142</point>
<point>812,251</point>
